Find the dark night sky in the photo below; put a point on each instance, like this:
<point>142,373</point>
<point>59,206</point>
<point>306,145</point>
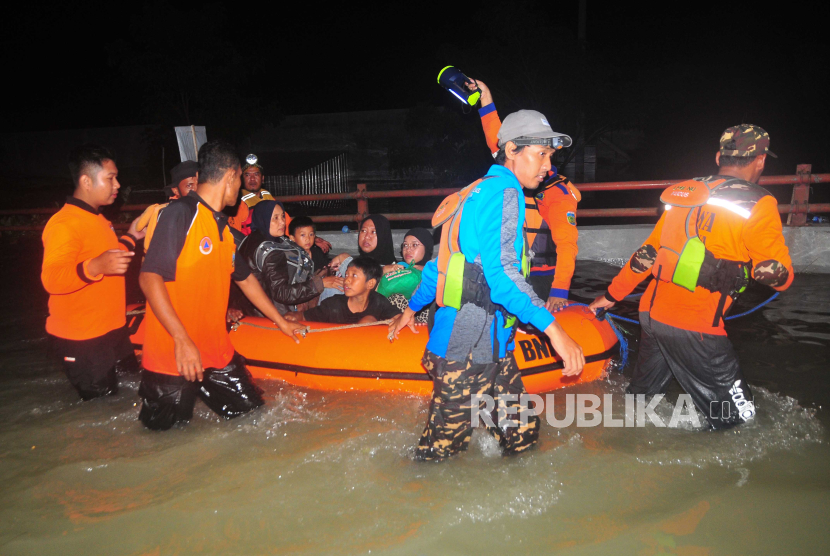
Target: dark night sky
<point>703,67</point>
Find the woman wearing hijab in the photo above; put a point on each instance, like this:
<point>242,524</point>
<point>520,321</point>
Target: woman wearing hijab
<point>284,269</point>
<point>374,240</point>
<point>399,285</point>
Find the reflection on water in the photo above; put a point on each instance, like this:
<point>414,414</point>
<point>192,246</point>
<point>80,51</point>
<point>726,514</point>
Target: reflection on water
<point>322,473</point>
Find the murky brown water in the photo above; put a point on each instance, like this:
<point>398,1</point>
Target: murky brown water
<point>331,473</point>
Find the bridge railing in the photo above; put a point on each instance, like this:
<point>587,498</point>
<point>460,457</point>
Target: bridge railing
<point>797,210</point>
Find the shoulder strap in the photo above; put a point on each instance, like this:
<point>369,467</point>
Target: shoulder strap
<point>296,255</point>
<point>262,252</point>
<point>687,194</point>
<point>453,203</point>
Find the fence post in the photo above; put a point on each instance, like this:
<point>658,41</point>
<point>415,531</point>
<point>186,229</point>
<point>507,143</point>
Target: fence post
<point>362,202</point>
<point>801,196</point>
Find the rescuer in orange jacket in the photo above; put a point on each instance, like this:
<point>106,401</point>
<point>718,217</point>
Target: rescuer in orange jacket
<point>716,234</point>
<point>83,271</point>
<point>250,195</point>
<point>550,215</point>
<point>186,277</point>
<point>183,181</point>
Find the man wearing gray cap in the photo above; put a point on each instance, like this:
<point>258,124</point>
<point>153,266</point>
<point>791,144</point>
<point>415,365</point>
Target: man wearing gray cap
<point>550,216</point>
<point>469,353</point>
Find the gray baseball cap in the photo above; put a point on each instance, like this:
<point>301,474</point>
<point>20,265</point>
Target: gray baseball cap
<point>529,127</point>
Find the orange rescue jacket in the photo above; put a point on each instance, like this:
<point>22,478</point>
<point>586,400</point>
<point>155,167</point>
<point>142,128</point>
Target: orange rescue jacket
<point>740,222</point>
<point>199,295</point>
<point>81,306</point>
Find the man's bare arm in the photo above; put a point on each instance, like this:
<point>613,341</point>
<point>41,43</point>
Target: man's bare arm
<point>188,359</point>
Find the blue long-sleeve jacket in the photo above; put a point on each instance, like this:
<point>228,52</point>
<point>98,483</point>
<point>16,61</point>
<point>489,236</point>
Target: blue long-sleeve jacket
<point>491,234</point>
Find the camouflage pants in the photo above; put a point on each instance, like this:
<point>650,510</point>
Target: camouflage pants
<point>455,384</point>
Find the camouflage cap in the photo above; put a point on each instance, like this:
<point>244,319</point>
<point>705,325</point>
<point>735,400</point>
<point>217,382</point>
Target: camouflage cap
<point>745,140</point>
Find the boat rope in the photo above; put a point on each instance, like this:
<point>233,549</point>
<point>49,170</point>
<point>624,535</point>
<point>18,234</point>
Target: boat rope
<point>602,314</point>
<point>309,330</point>
<point>754,308</point>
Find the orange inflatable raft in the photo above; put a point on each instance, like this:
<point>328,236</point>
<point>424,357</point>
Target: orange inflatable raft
<point>363,359</point>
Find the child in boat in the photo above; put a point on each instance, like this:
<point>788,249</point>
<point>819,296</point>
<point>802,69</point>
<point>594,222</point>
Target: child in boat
<point>284,269</point>
<point>360,302</point>
<point>303,232</point>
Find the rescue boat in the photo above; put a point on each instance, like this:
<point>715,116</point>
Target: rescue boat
<point>363,359</point>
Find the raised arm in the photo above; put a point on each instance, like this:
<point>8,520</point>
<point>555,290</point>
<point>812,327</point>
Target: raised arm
<point>490,122</point>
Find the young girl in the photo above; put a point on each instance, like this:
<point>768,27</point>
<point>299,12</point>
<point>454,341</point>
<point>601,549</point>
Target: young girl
<point>374,240</point>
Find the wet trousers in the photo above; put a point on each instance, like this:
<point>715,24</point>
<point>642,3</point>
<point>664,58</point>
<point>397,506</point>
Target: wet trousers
<point>168,399</point>
<point>91,365</point>
<point>705,365</point>
<point>456,386</point>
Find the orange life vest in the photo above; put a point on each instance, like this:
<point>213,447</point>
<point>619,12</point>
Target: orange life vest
<point>450,258</point>
<point>242,220</point>
<point>682,257</point>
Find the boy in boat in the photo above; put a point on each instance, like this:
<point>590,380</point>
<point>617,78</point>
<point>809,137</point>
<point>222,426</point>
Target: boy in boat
<point>83,271</point>
<point>186,277</point>
<point>303,232</point>
<point>360,303</point>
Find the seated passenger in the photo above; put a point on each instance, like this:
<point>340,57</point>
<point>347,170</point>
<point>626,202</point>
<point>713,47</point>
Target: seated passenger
<point>399,285</point>
<point>374,240</point>
<point>303,232</point>
<point>360,304</point>
<point>283,268</point>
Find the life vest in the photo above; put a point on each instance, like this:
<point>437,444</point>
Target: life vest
<point>295,255</point>
<point>450,258</point>
<point>242,220</point>
<point>459,281</point>
<point>682,258</point>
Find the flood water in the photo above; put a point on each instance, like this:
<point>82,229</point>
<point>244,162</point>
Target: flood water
<point>317,473</point>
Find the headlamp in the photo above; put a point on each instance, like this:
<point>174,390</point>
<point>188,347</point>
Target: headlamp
<point>552,142</point>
